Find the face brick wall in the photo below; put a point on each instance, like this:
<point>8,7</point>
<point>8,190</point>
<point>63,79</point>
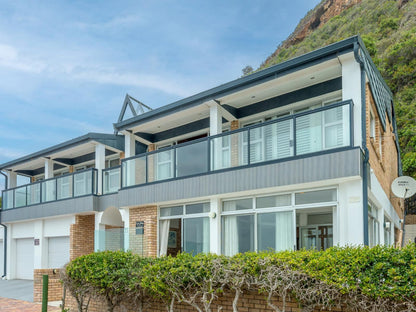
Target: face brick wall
<point>383,152</point>
<point>54,285</point>
<point>81,238</point>
<point>145,244</point>
<point>250,301</point>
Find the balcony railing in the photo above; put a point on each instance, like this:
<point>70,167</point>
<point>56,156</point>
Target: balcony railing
<point>318,130</point>
<point>111,180</point>
<point>67,186</point>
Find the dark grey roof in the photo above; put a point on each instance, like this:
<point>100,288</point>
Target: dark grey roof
<point>115,141</point>
<point>272,72</point>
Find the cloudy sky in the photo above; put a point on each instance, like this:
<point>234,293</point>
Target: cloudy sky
<point>65,66</point>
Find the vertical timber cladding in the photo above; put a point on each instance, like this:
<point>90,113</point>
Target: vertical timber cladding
<point>143,230</point>
<point>81,239</point>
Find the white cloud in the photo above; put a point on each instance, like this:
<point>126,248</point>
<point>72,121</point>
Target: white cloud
<point>10,153</point>
<point>9,57</point>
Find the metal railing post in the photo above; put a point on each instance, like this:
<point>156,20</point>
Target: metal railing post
<point>45,286</point>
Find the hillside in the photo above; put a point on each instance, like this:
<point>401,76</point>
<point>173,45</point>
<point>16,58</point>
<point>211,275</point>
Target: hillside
<point>388,29</point>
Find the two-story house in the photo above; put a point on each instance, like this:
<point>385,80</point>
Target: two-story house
<point>298,155</point>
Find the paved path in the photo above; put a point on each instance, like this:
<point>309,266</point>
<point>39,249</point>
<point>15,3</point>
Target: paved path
<point>16,289</point>
<point>13,305</point>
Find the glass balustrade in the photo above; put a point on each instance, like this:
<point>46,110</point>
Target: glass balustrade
<point>67,186</point>
<point>321,129</point>
<point>111,180</point>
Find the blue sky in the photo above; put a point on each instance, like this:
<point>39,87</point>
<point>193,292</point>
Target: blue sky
<point>65,66</point>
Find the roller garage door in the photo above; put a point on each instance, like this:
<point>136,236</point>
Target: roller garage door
<point>24,258</point>
<point>1,257</point>
<point>58,253</point>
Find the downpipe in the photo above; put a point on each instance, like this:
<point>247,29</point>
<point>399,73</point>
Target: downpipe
<point>5,235</point>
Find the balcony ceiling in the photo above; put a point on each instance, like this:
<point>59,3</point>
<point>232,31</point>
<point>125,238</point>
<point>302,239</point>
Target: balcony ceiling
<point>70,153</point>
<point>278,86</point>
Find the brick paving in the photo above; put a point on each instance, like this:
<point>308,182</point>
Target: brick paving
<point>13,305</point>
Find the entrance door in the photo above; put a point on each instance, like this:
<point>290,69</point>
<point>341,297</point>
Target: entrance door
<point>316,237</point>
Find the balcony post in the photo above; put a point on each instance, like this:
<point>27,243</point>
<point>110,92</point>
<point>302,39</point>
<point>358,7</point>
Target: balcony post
<point>129,151</point>
<point>11,179</point>
<point>215,127</point>
<point>100,165</point>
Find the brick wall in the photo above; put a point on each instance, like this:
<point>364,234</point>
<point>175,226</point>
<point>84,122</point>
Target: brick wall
<point>249,302</point>
<point>383,157</point>
<point>54,285</point>
<point>147,241</point>
<point>81,239</point>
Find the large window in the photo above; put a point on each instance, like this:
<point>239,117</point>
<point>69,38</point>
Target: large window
<point>270,222</point>
<point>184,228</point>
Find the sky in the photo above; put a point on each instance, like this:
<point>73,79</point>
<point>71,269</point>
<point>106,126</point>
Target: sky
<point>66,66</point>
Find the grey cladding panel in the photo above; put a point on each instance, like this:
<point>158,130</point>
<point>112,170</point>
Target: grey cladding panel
<point>57,208</point>
<point>309,169</point>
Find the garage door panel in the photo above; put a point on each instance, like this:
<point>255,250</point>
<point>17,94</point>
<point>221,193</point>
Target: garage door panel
<point>58,254</point>
<point>24,258</point>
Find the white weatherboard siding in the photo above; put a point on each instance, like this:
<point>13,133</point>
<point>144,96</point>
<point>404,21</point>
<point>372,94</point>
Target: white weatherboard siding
<point>24,258</point>
<point>58,253</point>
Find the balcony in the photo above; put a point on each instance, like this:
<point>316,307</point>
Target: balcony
<point>311,132</point>
<point>71,185</point>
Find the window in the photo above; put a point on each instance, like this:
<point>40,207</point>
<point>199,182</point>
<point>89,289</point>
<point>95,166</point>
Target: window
<point>268,222</point>
<point>184,228</point>
<point>373,225</point>
<point>372,125</point>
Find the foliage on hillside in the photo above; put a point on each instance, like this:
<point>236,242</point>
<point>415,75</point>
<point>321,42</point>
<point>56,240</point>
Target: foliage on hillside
<point>360,277</point>
<point>388,29</point>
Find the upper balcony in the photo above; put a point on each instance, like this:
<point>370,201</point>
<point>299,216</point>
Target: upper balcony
<point>320,130</point>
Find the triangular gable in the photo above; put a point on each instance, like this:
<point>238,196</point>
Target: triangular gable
<point>129,111</point>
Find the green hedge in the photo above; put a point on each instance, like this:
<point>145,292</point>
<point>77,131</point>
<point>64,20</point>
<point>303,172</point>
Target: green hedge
<point>358,277</point>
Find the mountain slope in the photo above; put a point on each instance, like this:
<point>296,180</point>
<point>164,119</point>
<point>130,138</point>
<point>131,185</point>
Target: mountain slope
<point>388,29</point>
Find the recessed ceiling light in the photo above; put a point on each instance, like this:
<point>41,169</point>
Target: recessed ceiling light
<point>253,96</point>
<point>313,77</point>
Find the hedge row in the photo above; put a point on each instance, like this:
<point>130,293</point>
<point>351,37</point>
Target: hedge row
<point>358,278</point>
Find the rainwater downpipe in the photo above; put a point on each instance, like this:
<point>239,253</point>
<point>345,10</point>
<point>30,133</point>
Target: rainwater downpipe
<point>5,233</point>
<point>364,142</point>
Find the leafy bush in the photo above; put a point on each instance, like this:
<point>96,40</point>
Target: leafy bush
<point>359,277</point>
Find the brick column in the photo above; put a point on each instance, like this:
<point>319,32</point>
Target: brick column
<point>81,239</point>
<point>234,141</point>
<point>55,286</point>
<point>146,243</point>
<point>151,163</point>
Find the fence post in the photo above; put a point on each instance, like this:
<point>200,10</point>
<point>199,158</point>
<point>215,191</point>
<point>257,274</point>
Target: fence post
<point>45,282</point>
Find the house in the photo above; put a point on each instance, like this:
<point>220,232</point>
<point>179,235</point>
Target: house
<point>298,155</point>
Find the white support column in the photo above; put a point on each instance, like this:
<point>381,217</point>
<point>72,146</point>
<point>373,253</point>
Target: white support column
<point>351,90</point>
<point>48,168</point>
<point>125,216</point>
<point>215,119</point>
<point>350,214</point>
<point>11,179</point>
<point>215,226</point>
<point>100,165</point>
<point>129,144</point>
<point>11,247</point>
<point>41,250</point>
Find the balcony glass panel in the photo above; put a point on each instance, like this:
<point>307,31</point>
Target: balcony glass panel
<point>229,151</point>
<point>111,182</point>
<point>48,190</point>
<point>20,194</point>
<point>134,171</point>
<point>160,165</point>
<point>323,130</point>
<point>7,202</point>
<point>64,187</point>
<point>33,194</point>
<point>83,183</point>
<point>192,159</point>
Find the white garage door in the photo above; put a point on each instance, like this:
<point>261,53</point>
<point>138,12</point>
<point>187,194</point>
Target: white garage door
<point>58,253</point>
<point>24,258</point>
<point>1,258</point>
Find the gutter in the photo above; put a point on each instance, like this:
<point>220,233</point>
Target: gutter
<point>357,57</point>
<point>5,235</point>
